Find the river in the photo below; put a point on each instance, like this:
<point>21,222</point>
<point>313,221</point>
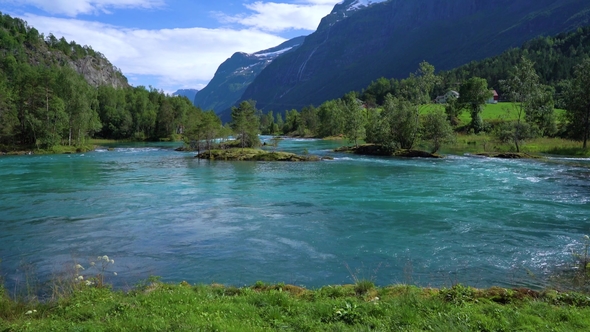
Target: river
<point>155,211</point>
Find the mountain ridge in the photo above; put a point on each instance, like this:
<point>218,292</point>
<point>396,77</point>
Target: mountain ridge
<point>389,39</point>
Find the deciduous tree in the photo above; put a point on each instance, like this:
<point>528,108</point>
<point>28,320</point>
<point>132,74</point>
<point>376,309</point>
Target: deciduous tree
<point>437,129</point>
<point>354,119</point>
<point>473,95</point>
<point>578,101</point>
<point>525,92</point>
<point>245,123</point>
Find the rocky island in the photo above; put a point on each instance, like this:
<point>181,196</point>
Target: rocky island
<point>380,150</point>
<point>249,154</point>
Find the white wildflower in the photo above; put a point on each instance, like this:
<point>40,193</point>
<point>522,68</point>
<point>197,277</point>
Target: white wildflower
<point>79,267</point>
<point>105,258</point>
<point>28,312</point>
<point>115,273</point>
<point>586,237</point>
<point>89,283</point>
<point>92,263</point>
<point>112,261</point>
<point>80,278</point>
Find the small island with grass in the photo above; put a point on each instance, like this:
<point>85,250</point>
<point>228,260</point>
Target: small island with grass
<point>250,154</point>
<point>380,150</point>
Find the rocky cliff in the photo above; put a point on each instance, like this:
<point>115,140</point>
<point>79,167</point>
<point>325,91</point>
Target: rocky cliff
<point>99,71</point>
<point>355,45</point>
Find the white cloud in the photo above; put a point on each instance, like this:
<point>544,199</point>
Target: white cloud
<point>174,57</point>
<point>75,7</point>
<point>276,17</point>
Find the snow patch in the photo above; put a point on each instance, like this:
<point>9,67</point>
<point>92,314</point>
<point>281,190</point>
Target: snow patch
<point>358,4</point>
<point>272,54</point>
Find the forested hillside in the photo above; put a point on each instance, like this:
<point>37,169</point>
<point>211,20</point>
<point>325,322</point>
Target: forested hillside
<point>50,97</point>
<point>554,57</point>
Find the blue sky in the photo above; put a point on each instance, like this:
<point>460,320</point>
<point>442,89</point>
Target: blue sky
<point>171,44</point>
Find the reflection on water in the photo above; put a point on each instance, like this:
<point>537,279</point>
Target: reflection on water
<point>156,211</point>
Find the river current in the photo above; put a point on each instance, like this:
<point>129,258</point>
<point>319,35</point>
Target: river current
<point>155,211</point>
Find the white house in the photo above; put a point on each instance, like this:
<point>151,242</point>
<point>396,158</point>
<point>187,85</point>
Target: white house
<point>443,99</point>
<point>494,99</point>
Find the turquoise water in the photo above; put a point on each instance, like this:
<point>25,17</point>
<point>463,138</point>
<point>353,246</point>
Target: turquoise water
<point>159,212</point>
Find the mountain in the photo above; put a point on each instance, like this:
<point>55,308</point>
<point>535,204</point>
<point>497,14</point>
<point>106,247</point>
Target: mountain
<point>235,74</point>
<point>189,93</point>
<point>361,41</point>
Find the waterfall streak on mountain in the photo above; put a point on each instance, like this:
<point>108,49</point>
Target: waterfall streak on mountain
<point>302,68</point>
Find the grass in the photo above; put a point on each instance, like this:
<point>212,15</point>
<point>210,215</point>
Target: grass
<point>491,112</point>
<point>97,141</point>
<point>156,306</point>
<point>486,143</point>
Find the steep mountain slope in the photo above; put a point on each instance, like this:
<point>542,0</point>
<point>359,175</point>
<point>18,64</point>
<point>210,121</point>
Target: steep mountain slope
<point>189,93</point>
<point>355,45</point>
<point>236,73</point>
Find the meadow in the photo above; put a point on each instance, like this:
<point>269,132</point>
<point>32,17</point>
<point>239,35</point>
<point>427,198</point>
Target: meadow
<point>156,306</point>
<point>504,111</point>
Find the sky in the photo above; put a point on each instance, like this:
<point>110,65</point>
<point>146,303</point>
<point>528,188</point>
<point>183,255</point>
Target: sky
<point>171,44</point>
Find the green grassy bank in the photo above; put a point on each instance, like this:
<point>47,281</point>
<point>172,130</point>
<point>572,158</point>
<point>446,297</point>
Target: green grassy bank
<point>491,112</point>
<point>362,307</point>
<point>483,143</point>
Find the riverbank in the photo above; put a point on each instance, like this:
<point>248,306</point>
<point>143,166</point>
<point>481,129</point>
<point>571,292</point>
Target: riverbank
<point>157,306</point>
<point>482,145</point>
<point>60,149</point>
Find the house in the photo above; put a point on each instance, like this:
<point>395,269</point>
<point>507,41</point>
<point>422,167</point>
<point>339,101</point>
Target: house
<point>447,96</point>
<point>494,99</point>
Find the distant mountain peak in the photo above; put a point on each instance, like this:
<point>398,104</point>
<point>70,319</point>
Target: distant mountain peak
<point>189,93</point>
<point>235,74</point>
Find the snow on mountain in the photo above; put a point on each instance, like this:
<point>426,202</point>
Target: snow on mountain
<point>273,54</point>
<point>358,4</point>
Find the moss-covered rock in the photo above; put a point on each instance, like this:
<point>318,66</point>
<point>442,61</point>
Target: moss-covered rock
<point>508,155</point>
<point>380,150</point>
<point>247,154</point>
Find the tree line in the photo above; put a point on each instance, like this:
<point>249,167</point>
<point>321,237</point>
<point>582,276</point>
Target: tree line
<point>45,106</point>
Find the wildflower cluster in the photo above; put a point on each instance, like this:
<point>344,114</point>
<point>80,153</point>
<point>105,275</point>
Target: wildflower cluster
<point>101,264</point>
<point>581,257</point>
